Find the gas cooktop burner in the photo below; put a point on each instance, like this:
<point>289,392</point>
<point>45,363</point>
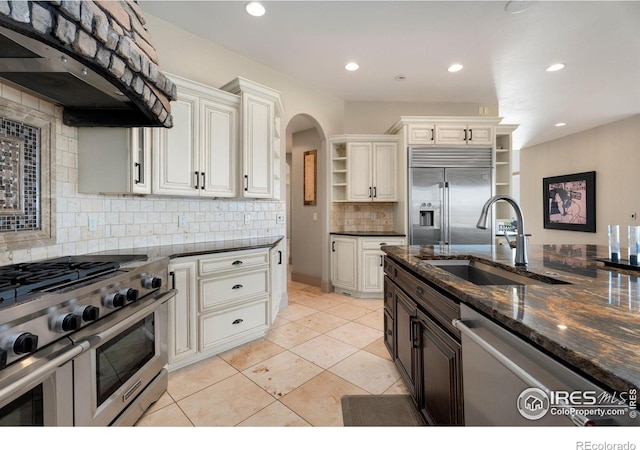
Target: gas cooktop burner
<point>20,279</point>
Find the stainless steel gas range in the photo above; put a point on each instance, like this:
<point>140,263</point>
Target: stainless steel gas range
<point>83,339</point>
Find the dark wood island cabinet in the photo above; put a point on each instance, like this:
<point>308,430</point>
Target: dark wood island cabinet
<point>424,344</point>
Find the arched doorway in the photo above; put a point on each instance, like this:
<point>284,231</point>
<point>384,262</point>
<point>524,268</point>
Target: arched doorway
<point>308,224</point>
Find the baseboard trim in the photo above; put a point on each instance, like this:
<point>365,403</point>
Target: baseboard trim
<point>306,279</point>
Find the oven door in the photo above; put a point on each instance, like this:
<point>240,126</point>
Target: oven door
<point>123,372</point>
<point>38,390</point>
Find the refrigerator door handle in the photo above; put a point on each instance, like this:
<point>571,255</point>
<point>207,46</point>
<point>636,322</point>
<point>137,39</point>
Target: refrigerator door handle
<point>443,213</point>
<point>447,235</point>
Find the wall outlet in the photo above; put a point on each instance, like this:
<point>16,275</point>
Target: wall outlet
<point>315,216</point>
<point>374,216</point>
<point>280,218</point>
<point>93,223</point>
<point>247,218</point>
<point>182,221</point>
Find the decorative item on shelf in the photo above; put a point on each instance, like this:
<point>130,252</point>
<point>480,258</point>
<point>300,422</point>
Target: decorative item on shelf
<point>569,202</point>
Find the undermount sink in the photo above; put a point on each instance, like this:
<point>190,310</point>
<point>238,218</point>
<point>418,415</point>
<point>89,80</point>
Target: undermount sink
<point>480,273</point>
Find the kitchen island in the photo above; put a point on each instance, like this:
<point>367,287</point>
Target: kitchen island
<point>589,319</point>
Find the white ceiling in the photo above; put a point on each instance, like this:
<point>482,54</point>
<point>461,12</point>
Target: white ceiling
<point>504,54</point>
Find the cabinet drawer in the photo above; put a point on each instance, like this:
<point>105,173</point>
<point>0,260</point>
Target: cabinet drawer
<point>232,262</point>
<point>375,244</point>
<point>219,290</point>
<point>231,323</point>
<point>439,306</point>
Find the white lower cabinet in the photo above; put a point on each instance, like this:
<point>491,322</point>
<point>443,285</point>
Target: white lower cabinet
<point>357,264</point>
<point>224,300</point>
<point>183,312</point>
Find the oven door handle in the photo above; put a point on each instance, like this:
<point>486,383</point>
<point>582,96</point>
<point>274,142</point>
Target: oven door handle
<point>39,374</point>
<point>147,306</point>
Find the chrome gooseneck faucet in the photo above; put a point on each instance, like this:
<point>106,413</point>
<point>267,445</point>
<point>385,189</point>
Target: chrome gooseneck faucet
<point>521,246</point>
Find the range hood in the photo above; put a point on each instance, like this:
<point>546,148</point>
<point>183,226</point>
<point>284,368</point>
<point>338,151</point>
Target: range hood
<point>92,57</point>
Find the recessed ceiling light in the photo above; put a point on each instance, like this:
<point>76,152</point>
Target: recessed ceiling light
<point>455,68</point>
<point>555,67</point>
<point>255,9</point>
<point>352,66</point>
<point>560,124</point>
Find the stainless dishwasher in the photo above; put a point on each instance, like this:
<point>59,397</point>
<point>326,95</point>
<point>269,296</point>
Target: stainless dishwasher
<point>509,382</point>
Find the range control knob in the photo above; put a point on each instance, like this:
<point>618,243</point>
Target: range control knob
<point>25,343</point>
<point>130,294</point>
<point>90,313</point>
<point>115,300</point>
<point>67,322</point>
<point>152,283</point>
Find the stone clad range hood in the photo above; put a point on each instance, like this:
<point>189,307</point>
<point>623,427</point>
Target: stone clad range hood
<point>95,58</point>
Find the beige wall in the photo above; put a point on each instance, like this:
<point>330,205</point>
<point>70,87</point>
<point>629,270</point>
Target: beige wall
<point>613,151</point>
<point>307,234</point>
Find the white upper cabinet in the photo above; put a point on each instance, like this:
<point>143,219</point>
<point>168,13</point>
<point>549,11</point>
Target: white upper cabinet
<point>364,168</point>
<point>447,130</point>
<point>464,134</point>
<point>114,160</point>
<point>197,156</point>
<point>260,143</point>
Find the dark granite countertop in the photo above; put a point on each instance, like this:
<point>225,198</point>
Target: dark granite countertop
<point>592,324</point>
<point>199,248</point>
<point>368,233</point>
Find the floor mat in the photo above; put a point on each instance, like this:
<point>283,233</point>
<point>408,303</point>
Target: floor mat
<point>380,411</point>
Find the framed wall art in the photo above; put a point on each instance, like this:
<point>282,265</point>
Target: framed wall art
<point>310,174</point>
<point>570,202</point>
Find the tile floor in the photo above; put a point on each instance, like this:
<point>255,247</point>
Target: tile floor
<point>322,346</point>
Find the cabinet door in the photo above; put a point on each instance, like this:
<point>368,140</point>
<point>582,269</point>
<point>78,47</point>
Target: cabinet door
<point>218,131</point>
<point>440,393</point>
<point>182,311</point>
<point>451,134</point>
<point>389,298</point>
<point>384,171</point>
<point>257,146</point>
<point>176,170</point>
<point>359,167</point>
<point>141,140</point>
<point>421,134</point>
<point>343,263</point>
<point>405,339</point>
<point>480,135</point>
<point>372,271</point>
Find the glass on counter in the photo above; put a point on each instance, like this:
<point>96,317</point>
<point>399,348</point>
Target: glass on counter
<point>634,244</point>
<point>614,243</point>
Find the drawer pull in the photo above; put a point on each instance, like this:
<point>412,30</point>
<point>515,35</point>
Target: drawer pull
<point>237,286</point>
<point>236,263</point>
<point>237,321</point>
<point>419,291</point>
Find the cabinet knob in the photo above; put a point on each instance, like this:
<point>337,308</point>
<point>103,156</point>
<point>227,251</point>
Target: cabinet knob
<point>389,333</point>
<point>419,291</point>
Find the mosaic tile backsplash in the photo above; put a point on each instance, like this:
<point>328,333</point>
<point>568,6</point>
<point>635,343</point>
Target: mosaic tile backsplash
<point>19,187</point>
<point>359,216</point>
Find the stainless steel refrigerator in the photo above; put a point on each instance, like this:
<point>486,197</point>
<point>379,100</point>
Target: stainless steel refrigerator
<point>445,202</point>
